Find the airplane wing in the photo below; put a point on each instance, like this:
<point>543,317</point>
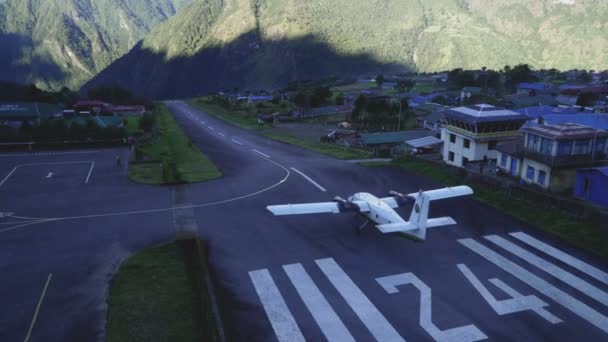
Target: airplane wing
<point>399,200</point>
<point>317,208</point>
<point>454,191</point>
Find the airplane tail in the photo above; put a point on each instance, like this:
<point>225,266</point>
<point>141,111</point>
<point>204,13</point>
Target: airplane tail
<point>420,212</point>
<point>419,216</point>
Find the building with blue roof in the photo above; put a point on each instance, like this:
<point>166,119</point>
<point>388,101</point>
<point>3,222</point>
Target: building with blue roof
<point>549,155</point>
<point>597,120</point>
<point>471,133</point>
<point>592,184</point>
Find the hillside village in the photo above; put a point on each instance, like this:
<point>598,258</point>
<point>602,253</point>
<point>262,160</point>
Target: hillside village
<point>546,130</point>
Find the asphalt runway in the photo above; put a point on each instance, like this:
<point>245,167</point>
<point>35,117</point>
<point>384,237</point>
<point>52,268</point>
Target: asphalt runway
<point>285,278</point>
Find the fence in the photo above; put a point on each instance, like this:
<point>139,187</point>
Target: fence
<point>569,206</point>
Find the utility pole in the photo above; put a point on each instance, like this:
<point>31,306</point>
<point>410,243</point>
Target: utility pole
<point>399,117</point>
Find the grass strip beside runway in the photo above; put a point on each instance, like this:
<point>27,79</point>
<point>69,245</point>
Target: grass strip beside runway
<point>585,235</point>
<point>238,118</point>
<point>159,295</point>
<point>332,150</point>
<point>180,161</point>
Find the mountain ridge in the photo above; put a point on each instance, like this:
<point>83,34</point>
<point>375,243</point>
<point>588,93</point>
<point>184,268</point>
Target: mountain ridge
<point>276,40</point>
<point>53,43</point>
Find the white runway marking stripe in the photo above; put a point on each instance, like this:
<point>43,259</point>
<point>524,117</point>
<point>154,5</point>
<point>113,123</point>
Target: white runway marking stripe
<point>552,269</point>
<point>46,286</point>
<point>89,175</point>
<point>9,175</point>
<point>358,301</point>
<point>262,154</point>
<point>327,319</point>
<point>237,142</point>
<point>309,179</point>
<point>563,257</point>
<point>576,306</point>
<point>281,319</point>
<point>222,134</point>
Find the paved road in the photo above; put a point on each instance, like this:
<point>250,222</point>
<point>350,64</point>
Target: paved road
<point>288,278</point>
<point>312,277</point>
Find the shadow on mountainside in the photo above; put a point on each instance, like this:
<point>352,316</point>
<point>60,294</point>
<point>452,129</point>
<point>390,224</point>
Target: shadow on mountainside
<point>16,65</point>
<point>247,63</point>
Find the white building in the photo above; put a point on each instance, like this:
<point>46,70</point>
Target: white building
<point>472,133</point>
<point>549,155</point>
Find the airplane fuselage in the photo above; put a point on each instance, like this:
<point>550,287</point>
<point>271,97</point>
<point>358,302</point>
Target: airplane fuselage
<point>380,212</point>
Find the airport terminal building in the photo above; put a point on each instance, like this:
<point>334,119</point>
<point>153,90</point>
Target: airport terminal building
<point>472,132</point>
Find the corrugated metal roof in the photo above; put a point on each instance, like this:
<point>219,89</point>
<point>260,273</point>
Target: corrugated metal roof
<point>426,141</point>
<point>394,137</point>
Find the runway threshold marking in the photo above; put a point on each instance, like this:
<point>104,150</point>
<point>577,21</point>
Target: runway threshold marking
<point>309,179</point>
<point>261,153</point>
<point>331,325</point>
<point>367,312</point>
<point>574,305</point>
<point>465,333</point>
<point>552,269</point>
<point>89,174</point>
<point>46,286</point>
<point>281,319</point>
<point>516,303</point>
<point>563,257</point>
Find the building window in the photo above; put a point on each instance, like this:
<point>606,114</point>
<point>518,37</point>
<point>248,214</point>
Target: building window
<point>541,177</point>
<point>452,138</point>
<point>564,148</point>
<point>492,145</point>
<point>600,145</point>
<point>530,173</point>
<point>581,147</point>
<point>533,142</point>
<point>546,146</point>
<point>503,160</point>
<point>451,156</point>
<point>467,143</point>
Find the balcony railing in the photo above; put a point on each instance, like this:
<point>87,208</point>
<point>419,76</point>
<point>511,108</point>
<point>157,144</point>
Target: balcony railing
<point>561,161</point>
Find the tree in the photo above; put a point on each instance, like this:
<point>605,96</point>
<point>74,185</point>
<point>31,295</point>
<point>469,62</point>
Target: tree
<point>147,122</point>
<point>301,100</point>
<point>340,100</point>
<point>404,86</point>
<point>380,80</point>
<point>584,76</point>
<point>586,99</point>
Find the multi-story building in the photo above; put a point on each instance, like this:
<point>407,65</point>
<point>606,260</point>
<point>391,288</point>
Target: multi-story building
<point>471,133</point>
<point>549,155</point>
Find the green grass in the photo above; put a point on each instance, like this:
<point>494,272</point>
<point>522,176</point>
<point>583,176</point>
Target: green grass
<point>331,150</point>
<point>583,234</point>
<point>146,173</point>
<point>132,124</point>
<point>182,161</point>
<point>238,118</point>
<point>152,298</point>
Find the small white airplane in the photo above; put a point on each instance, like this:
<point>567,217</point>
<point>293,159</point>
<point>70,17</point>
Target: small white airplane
<point>381,210</point>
